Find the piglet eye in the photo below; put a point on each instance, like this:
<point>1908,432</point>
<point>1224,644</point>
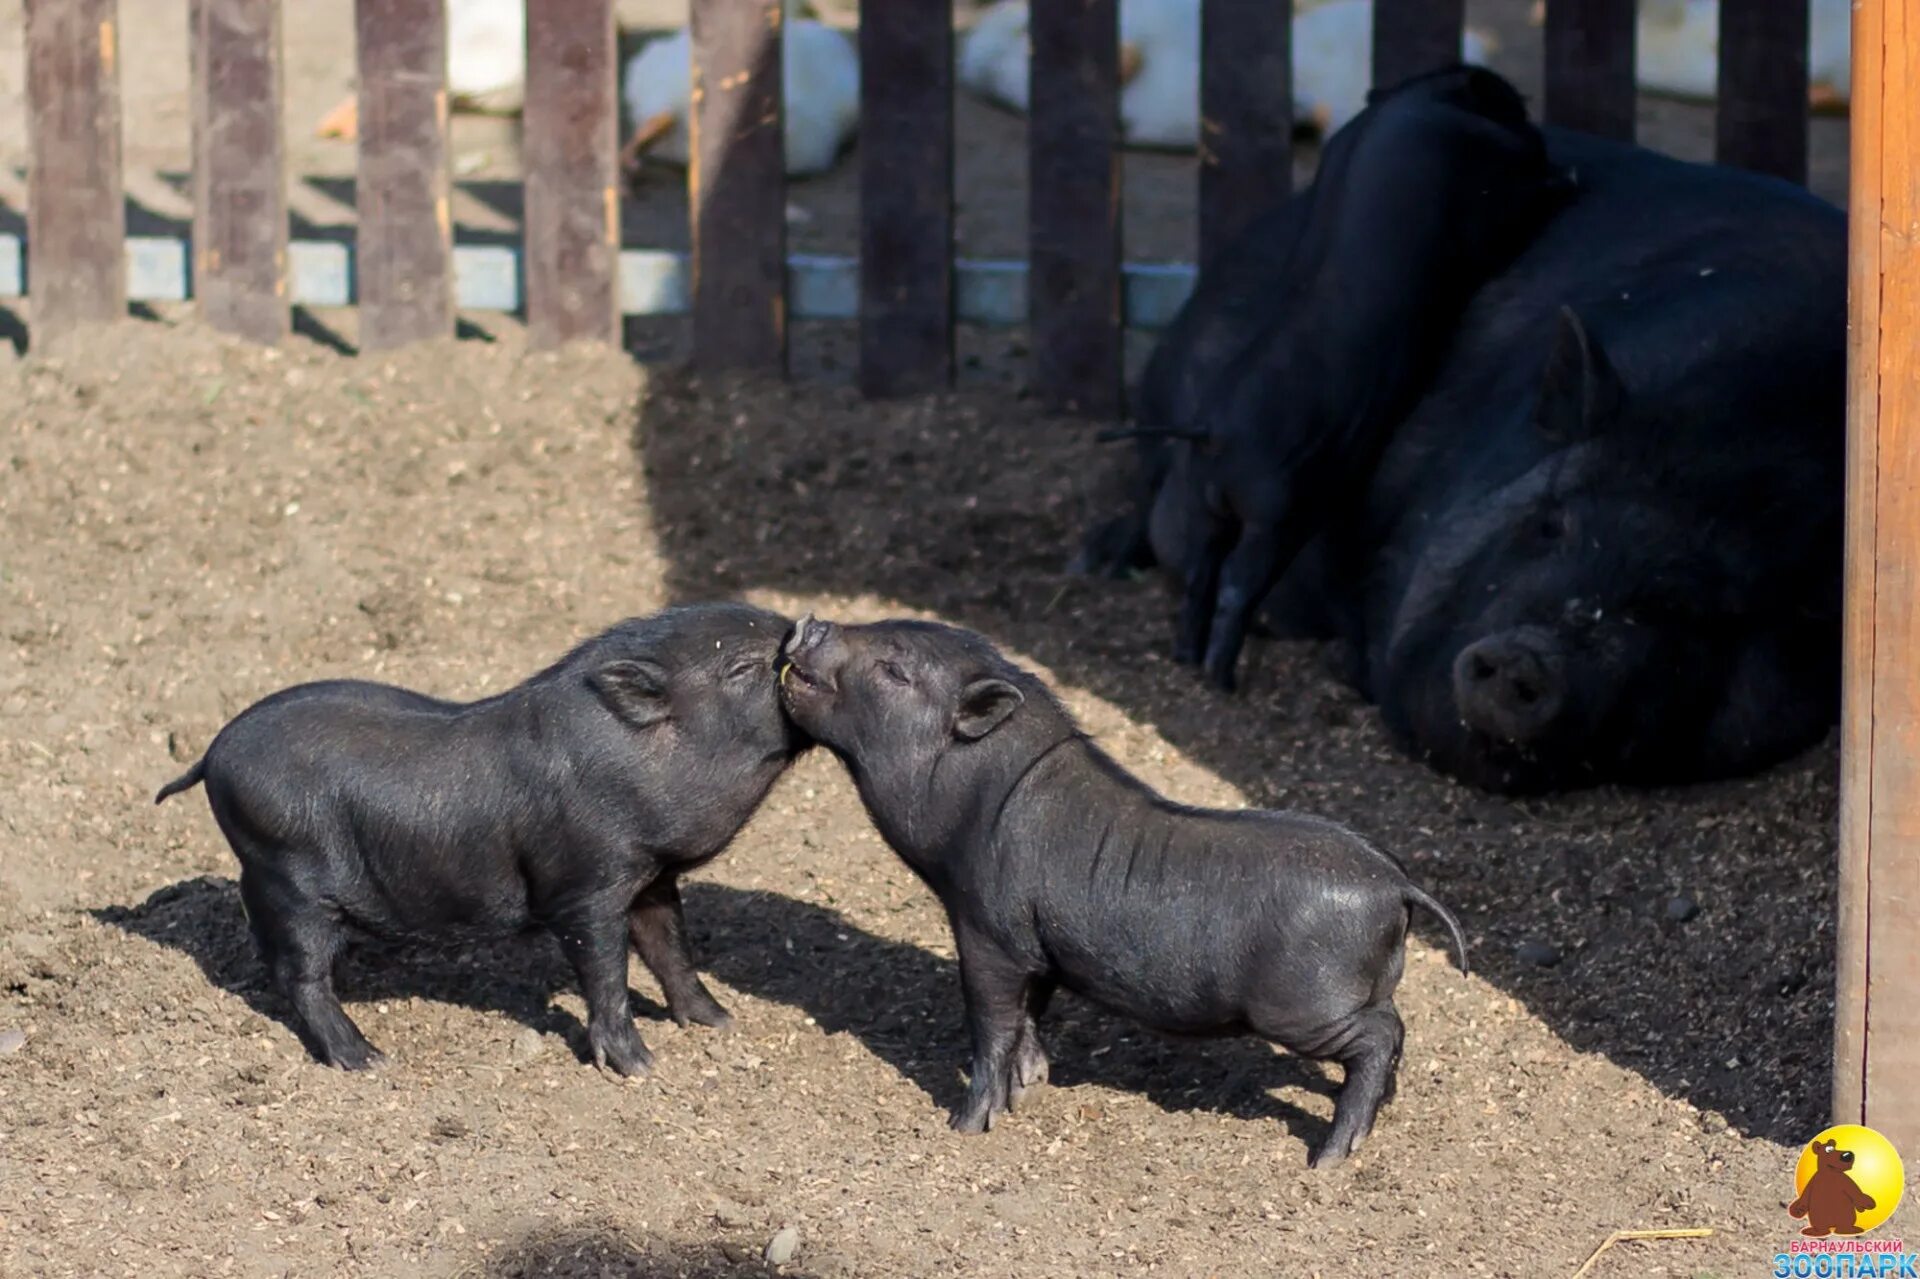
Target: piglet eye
<point>740,670</point>
<point>894,673</point>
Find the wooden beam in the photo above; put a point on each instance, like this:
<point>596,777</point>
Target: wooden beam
<point>572,121</point>
<point>1246,116</point>
<point>1762,116</point>
<point>403,190</point>
<point>736,184</point>
<point>239,169</point>
<point>1073,209</point>
<point>1877,1019</point>
<point>1589,66</point>
<point>906,197</point>
<point>1412,36</point>
<point>76,212</point>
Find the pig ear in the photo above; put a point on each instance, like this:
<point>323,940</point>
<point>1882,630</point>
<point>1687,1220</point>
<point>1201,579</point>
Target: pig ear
<point>984,706</point>
<point>1580,390</point>
<point>636,691</point>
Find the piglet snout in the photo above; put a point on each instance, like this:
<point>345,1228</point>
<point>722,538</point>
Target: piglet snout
<point>808,633</point>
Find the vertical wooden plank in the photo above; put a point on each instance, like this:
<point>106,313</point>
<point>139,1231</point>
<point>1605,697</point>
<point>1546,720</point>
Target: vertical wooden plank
<point>1762,117</point>
<point>1859,650</point>
<point>1073,212</point>
<point>405,257</point>
<point>1246,116</point>
<point>239,169</point>
<point>906,196</point>
<point>737,187</point>
<point>1880,866</point>
<point>76,213</point>
<point>572,120</point>
<point>1589,66</point>
<point>1413,36</point>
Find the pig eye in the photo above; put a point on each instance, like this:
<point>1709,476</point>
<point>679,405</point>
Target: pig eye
<point>740,670</point>
<point>894,673</point>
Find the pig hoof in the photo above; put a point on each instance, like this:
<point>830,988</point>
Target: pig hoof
<point>972,1120</point>
<point>708,1014</point>
<point>357,1057</point>
<point>631,1061</point>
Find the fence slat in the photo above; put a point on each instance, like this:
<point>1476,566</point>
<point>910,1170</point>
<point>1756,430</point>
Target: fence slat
<point>1073,210</point>
<point>572,121</point>
<point>906,196</point>
<point>737,187</point>
<point>1589,65</point>
<point>1246,116</point>
<point>1412,36</point>
<point>1762,120</point>
<point>76,213</point>
<point>239,169</point>
<point>405,258</point>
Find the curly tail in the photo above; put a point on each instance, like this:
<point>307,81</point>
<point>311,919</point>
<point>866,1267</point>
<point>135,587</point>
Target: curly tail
<point>1417,896</point>
<point>186,781</point>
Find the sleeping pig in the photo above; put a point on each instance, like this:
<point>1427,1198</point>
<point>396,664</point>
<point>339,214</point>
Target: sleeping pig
<point>1059,868</point>
<point>572,803</point>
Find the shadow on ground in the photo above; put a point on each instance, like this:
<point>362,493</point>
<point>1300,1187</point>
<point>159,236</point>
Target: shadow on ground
<point>1685,934</point>
<point>603,1252</point>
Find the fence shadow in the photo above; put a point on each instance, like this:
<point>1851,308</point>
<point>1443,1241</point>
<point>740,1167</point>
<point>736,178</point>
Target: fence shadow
<point>968,507</point>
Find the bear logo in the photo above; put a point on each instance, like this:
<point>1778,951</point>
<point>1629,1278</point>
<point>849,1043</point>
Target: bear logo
<point>1830,1201</point>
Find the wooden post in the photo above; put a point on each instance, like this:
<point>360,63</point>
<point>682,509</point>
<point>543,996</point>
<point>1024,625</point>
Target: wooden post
<point>1246,116</point>
<point>736,185</point>
<point>1073,209</point>
<point>1877,1018</point>
<point>1412,36</point>
<point>1762,120</point>
<point>572,121</point>
<point>239,169</point>
<point>405,258</point>
<point>76,213</point>
<point>1589,56</point>
<point>906,196</point>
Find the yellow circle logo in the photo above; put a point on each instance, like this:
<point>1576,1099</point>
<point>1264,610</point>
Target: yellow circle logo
<point>1849,1180</point>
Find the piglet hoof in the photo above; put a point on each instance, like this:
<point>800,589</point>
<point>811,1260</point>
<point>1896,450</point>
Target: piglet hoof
<point>626,1057</point>
<point>1219,675</point>
<point>1329,1155</point>
<point>355,1057</point>
<point>706,1013</point>
<point>972,1119</point>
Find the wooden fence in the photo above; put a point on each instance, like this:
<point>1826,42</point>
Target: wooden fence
<point>573,280</point>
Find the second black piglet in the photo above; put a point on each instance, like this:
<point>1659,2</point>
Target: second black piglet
<point>1059,868</point>
<point>571,803</point>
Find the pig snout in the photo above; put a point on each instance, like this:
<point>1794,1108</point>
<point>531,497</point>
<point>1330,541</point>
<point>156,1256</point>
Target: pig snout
<point>1512,685</point>
<point>808,633</point>
<point>811,650</point>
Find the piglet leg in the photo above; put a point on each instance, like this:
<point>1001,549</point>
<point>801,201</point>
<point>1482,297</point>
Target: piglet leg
<point>996,995</point>
<point>657,922</point>
<point>595,942</point>
<point>1030,1065</point>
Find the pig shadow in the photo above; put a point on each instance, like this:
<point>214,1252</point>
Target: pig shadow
<point>515,976</point>
<point>603,1251</point>
<point>904,1004</point>
<point>968,506</point>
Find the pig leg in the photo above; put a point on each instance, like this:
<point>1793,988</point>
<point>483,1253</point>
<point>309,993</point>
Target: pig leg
<point>1368,1046</point>
<point>658,925</point>
<point>996,994</point>
<point>1249,573</point>
<point>1202,572</point>
<point>1030,1064</point>
<point>595,942</point>
<point>298,941</point>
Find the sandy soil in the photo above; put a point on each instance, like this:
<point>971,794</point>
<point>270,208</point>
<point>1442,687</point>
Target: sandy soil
<point>190,524</point>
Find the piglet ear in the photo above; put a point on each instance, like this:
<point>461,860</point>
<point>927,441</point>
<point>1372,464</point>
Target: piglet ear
<point>1579,390</point>
<point>636,691</point>
<point>984,706</point>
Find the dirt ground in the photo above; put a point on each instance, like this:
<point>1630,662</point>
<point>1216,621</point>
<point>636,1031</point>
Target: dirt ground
<point>190,524</point>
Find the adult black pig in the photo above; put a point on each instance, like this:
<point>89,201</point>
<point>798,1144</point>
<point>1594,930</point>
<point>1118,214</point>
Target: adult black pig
<point>572,803</point>
<point>1424,195</point>
<point>1604,544</point>
<point>1059,868</point>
